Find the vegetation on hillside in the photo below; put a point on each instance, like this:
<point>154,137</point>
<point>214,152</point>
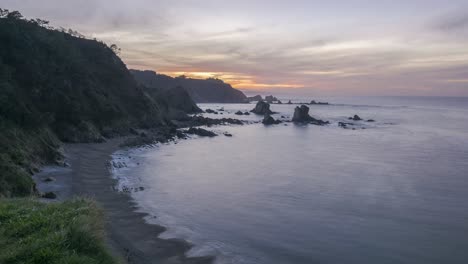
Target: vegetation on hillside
<point>201,91</point>
<point>36,232</point>
<point>56,85</point>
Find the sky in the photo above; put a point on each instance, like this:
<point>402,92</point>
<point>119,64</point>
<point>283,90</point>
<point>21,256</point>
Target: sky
<point>348,47</point>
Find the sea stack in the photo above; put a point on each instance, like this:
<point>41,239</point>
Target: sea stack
<point>301,115</point>
<point>262,108</point>
<point>268,120</point>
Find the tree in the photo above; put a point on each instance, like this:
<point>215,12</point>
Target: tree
<point>14,15</point>
<point>4,12</point>
<point>40,22</point>
<point>115,49</point>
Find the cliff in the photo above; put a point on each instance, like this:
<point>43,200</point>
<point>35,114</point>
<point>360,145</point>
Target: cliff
<point>201,91</point>
<point>59,87</point>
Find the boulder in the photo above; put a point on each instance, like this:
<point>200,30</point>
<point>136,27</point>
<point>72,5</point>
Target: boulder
<point>301,115</point>
<point>262,108</point>
<point>49,195</point>
<point>269,120</point>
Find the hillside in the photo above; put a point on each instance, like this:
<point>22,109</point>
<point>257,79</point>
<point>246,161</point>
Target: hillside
<point>201,91</point>
<point>59,87</point>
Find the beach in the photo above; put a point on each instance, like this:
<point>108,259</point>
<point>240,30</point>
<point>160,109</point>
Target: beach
<point>128,235</point>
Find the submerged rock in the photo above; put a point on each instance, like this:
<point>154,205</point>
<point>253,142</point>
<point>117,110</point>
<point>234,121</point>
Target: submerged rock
<point>200,132</point>
<point>48,179</point>
<point>227,134</point>
<point>370,120</point>
<point>301,115</point>
<point>262,108</point>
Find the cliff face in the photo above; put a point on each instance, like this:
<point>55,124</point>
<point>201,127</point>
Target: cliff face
<point>201,91</point>
<point>56,87</point>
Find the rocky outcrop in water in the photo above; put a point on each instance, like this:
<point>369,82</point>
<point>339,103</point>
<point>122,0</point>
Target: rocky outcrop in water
<point>301,115</point>
<point>270,99</point>
<point>262,108</point>
<point>269,120</point>
<point>200,132</point>
<point>255,98</point>
<point>355,118</point>
<point>313,102</point>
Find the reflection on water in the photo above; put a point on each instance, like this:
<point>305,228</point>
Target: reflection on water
<point>393,193</point>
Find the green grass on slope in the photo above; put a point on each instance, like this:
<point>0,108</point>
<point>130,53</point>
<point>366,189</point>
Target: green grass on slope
<point>35,232</point>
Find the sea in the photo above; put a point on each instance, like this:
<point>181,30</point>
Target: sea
<point>390,191</point>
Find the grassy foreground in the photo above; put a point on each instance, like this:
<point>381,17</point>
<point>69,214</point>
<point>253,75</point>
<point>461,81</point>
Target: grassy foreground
<point>67,232</point>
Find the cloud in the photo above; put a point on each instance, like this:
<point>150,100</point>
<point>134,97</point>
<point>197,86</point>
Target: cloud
<point>452,22</point>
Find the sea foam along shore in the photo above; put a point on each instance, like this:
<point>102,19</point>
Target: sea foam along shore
<point>127,232</point>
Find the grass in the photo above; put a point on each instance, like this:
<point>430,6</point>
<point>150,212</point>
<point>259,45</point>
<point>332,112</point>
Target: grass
<point>70,232</point>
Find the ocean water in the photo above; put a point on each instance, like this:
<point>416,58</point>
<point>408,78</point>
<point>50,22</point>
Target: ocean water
<point>395,192</point>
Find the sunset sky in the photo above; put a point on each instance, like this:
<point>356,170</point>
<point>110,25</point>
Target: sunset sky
<point>352,47</point>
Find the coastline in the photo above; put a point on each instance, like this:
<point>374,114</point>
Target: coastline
<point>128,234</point>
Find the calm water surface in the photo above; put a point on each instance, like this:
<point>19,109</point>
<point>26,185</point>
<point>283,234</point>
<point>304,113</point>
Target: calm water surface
<point>396,192</point>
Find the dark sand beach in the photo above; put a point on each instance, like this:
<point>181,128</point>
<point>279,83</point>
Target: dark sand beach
<point>129,236</point>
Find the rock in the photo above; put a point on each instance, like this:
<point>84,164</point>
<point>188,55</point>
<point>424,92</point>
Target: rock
<point>210,111</point>
<point>48,179</point>
<point>355,118</point>
<point>268,120</point>
<point>133,131</point>
<point>313,102</point>
<point>270,99</point>
<point>221,109</point>
<point>227,134</point>
<point>119,164</point>
<point>246,113</point>
<point>200,132</point>
<point>262,108</point>
<point>255,98</point>
<point>371,120</point>
<point>289,102</point>
<point>279,102</point>
<point>205,121</point>
<point>239,113</point>
<point>301,115</point>
<point>49,195</point>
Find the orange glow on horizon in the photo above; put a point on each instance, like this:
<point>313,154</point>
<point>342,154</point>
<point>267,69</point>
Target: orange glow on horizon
<point>235,80</point>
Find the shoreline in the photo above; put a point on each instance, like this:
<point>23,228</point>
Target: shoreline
<point>129,236</point>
